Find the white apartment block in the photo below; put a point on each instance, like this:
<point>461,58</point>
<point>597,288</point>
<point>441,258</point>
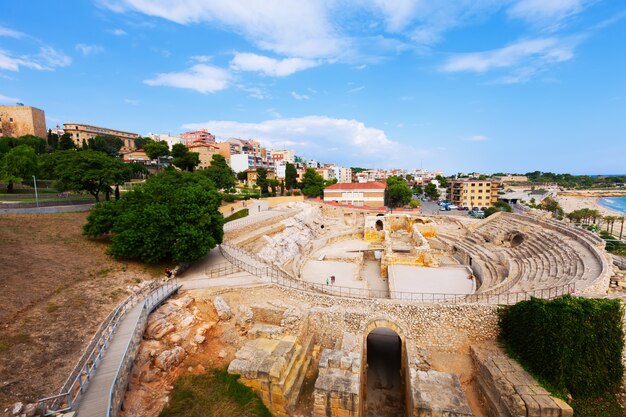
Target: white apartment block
<point>342,174</point>
<point>170,139</point>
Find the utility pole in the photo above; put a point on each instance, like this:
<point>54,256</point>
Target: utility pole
<point>36,196</point>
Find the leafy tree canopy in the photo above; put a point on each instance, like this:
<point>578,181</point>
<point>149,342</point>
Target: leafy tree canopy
<point>291,176</point>
<point>90,171</point>
<point>261,180</point>
<point>312,183</point>
<point>18,164</point>
<point>173,215</point>
<point>183,159</point>
<point>431,191</point>
<point>108,144</point>
<point>220,173</point>
<point>398,192</point>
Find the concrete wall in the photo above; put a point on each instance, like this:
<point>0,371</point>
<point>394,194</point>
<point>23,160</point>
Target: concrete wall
<point>46,210</point>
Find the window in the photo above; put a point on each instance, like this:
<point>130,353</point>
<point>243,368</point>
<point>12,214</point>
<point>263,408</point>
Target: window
<point>473,184</point>
<point>76,127</point>
<point>480,191</point>
<point>487,184</point>
<point>480,197</point>
<point>480,184</point>
<point>10,119</point>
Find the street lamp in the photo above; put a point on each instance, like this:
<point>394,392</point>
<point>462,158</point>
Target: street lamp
<point>36,196</point>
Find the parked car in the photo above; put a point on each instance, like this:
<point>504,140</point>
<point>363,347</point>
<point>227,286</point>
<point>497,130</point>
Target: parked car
<point>452,207</point>
<point>444,208</point>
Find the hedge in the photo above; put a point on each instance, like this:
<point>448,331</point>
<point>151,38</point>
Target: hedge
<point>574,344</point>
<point>237,215</point>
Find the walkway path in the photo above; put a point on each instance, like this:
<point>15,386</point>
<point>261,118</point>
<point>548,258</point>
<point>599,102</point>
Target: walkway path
<point>96,399</point>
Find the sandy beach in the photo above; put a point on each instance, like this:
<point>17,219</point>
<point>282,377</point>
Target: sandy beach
<point>572,203</point>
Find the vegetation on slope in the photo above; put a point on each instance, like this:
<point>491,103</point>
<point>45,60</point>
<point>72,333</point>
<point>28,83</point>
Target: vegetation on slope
<point>572,345</point>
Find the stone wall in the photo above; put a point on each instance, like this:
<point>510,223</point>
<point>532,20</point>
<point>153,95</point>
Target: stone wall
<point>16,121</point>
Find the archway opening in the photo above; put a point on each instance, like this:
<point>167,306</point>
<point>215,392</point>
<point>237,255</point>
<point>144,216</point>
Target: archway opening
<point>379,225</point>
<point>517,239</point>
<point>384,395</point>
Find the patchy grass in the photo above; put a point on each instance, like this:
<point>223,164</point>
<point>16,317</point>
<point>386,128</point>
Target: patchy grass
<point>6,342</point>
<point>216,394</point>
<point>51,307</point>
<point>103,272</point>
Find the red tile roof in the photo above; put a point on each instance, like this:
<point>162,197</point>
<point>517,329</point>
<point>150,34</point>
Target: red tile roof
<point>357,186</point>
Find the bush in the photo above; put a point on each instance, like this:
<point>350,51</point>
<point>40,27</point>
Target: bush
<point>237,215</point>
<point>574,344</point>
<point>229,198</point>
<point>297,193</point>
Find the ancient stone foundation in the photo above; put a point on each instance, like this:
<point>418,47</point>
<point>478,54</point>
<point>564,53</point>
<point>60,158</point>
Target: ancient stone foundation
<point>509,391</point>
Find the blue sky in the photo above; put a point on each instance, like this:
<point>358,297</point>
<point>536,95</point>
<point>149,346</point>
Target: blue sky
<point>460,85</point>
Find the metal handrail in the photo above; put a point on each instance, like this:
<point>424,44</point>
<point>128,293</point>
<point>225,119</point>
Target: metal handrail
<point>284,279</point>
<point>81,374</point>
<point>121,382</point>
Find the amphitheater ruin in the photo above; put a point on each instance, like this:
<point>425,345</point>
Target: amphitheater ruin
<point>328,311</point>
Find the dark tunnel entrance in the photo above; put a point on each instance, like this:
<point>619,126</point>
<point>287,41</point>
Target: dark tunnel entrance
<point>384,392</point>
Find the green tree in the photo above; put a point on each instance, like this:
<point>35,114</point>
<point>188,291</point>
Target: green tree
<point>261,180</point>
<point>291,177</point>
<point>431,191</point>
<point>273,183</point>
<point>141,142</point>
<point>172,216</point>
<point>282,187</point>
<point>66,142</point>
<point>312,183</point>
<point>417,189</point>
<point>242,176</point>
<point>498,206</point>
<point>183,159</point>
<point>91,171</point>
<point>53,140</point>
<point>108,144</point>
<point>398,192</point>
<point>443,181</point>
<point>155,150</point>
<point>220,173</point>
<point>19,164</point>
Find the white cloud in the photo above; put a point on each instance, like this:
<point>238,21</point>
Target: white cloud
<point>131,101</point>
<point>477,138</point>
<point>201,58</point>
<point>88,49</point>
<point>118,32</point>
<point>10,33</point>
<point>8,100</point>
<point>270,66</point>
<point>525,58</point>
<point>202,78</point>
<point>255,92</point>
<point>312,136</point>
<point>274,25</point>
<point>299,96</point>
<point>549,12</point>
<point>356,89</point>
<point>47,59</point>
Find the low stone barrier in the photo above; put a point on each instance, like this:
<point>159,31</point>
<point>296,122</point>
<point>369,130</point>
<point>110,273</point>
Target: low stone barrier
<point>509,391</point>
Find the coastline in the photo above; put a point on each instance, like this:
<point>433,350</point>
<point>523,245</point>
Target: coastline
<point>571,203</point>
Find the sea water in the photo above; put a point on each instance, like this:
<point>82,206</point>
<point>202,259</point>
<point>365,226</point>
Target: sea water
<point>614,203</point>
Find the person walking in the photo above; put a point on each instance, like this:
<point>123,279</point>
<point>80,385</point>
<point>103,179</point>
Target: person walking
<point>168,272</point>
<point>332,280</point>
<point>326,281</point>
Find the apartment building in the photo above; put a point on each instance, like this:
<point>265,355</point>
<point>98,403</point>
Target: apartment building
<point>251,175</point>
<point>171,140</point>
<point>16,121</point>
<point>342,174</point>
<point>201,135</point>
<point>473,193</point>
<point>371,194</point>
<point>282,156</point>
<point>79,132</point>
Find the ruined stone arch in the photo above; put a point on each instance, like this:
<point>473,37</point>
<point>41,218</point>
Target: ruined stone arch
<point>369,327</point>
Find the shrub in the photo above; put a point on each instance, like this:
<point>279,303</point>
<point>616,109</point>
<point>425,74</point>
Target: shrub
<point>297,193</point>
<point>237,215</point>
<point>229,198</point>
<point>574,344</point>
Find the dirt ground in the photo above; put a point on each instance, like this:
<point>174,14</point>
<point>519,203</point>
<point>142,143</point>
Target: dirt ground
<point>55,288</point>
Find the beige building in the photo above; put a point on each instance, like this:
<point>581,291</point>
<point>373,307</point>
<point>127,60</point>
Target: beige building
<point>473,193</point>
<point>16,121</point>
<point>205,151</point>
<point>138,155</point>
<point>252,174</point>
<point>371,194</point>
<point>79,132</point>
